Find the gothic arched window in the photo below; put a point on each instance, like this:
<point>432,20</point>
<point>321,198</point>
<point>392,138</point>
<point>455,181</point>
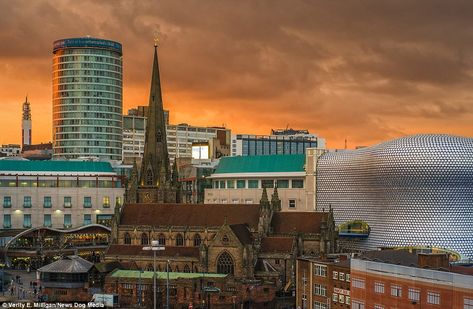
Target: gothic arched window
<point>144,239</point>
<point>162,239</point>
<point>197,240</point>
<point>179,240</point>
<point>187,269</point>
<point>149,267</point>
<point>225,264</point>
<point>149,177</point>
<point>127,239</point>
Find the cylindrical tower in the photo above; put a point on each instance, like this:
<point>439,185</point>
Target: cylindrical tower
<point>87,98</point>
<point>26,124</point>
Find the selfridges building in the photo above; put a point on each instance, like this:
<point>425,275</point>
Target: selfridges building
<point>412,191</point>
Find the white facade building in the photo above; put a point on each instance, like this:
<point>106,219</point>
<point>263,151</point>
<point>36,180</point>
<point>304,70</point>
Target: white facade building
<point>180,138</point>
<point>10,150</point>
<point>57,194</point>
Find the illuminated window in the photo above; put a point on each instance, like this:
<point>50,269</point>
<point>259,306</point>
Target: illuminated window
<point>106,201</point>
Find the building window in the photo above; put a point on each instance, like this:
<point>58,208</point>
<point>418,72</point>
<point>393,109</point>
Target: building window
<point>320,270</point>
<point>347,300</point>
<point>127,239</point>
<point>215,184</point>
<point>253,184</point>
<point>320,290</point>
<point>162,239</point>
<point>47,202</point>
<point>6,221</point>
<point>341,276</point>
<point>27,201</point>
<point>433,298</point>
<point>379,287</point>
<point>468,303</point>
<point>376,306</point>
<point>47,220</point>
<point>230,184</point>
<point>335,275</point>
<point>222,184</point>
<point>67,221</point>
<point>358,283</point>
<point>248,201</point>
<point>106,202</point>
<point>144,239</point>
<point>335,297</point>
<point>341,298</point>
<point>267,183</point>
<point>67,202</point>
<point>292,203</point>
<point>319,305</point>
<point>6,201</point>
<point>414,295</point>
<point>282,183</point>
<point>298,183</point>
<point>396,291</point>
<point>357,305</point>
<point>240,184</point>
<point>225,264</point>
<point>87,219</point>
<point>27,221</point>
<point>197,240</point>
<point>347,277</point>
<point>87,202</point>
<point>179,240</point>
<point>225,239</point>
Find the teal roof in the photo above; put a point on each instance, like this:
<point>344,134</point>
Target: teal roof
<point>120,273</point>
<point>261,164</point>
<point>55,166</point>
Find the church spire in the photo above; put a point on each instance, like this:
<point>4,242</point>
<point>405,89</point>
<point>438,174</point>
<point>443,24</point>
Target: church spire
<point>155,169</point>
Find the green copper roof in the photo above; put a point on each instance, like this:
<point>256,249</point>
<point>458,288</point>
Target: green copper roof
<point>261,164</point>
<point>120,273</point>
<point>55,166</point>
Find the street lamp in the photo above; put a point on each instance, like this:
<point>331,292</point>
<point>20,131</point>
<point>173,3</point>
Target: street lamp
<point>154,247</point>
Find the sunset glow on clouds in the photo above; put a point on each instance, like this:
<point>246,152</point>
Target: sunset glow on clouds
<point>366,71</point>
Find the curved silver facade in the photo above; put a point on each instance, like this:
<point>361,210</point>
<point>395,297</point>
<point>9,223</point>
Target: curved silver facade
<point>412,191</point>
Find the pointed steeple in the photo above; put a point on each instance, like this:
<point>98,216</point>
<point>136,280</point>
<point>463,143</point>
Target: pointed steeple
<point>155,169</point>
<point>275,201</point>
<point>264,202</point>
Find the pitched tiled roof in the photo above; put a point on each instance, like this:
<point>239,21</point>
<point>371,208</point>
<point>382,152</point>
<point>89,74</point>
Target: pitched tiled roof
<point>208,215</point>
<point>297,222</point>
<point>55,166</point>
<point>241,231</point>
<point>68,264</point>
<point>137,251</point>
<point>120,273</point>
<point>261,164</point>
<point>277,244</point>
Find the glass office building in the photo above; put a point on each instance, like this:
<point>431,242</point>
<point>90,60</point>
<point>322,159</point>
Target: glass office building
<point>412,191</point>
<point>87,98</point>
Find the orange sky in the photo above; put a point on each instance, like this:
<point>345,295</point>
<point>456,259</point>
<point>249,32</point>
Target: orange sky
<point>366,71</point>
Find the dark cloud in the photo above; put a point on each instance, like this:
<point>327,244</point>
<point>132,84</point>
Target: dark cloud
<point>351,69</point>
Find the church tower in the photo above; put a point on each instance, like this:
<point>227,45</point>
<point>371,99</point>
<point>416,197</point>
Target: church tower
<point>155,181</point>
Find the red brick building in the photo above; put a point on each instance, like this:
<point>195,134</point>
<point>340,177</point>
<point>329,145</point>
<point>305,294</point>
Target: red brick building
<point>323,283</point>
<point>398,279</point>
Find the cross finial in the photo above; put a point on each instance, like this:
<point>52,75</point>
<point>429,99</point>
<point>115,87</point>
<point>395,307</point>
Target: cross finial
<point>156,38</point>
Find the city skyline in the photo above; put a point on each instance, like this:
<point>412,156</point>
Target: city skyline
<point>367,73</point>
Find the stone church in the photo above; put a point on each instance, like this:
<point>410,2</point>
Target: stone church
<point>250,242</point>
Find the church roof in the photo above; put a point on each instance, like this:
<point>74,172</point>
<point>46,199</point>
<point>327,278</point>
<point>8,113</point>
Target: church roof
<point>277,244</point>
<point>298,222</point>
<point>261,164</point>
<point>241,231</point>
<point>207,215</point>
<point>137,250</point>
